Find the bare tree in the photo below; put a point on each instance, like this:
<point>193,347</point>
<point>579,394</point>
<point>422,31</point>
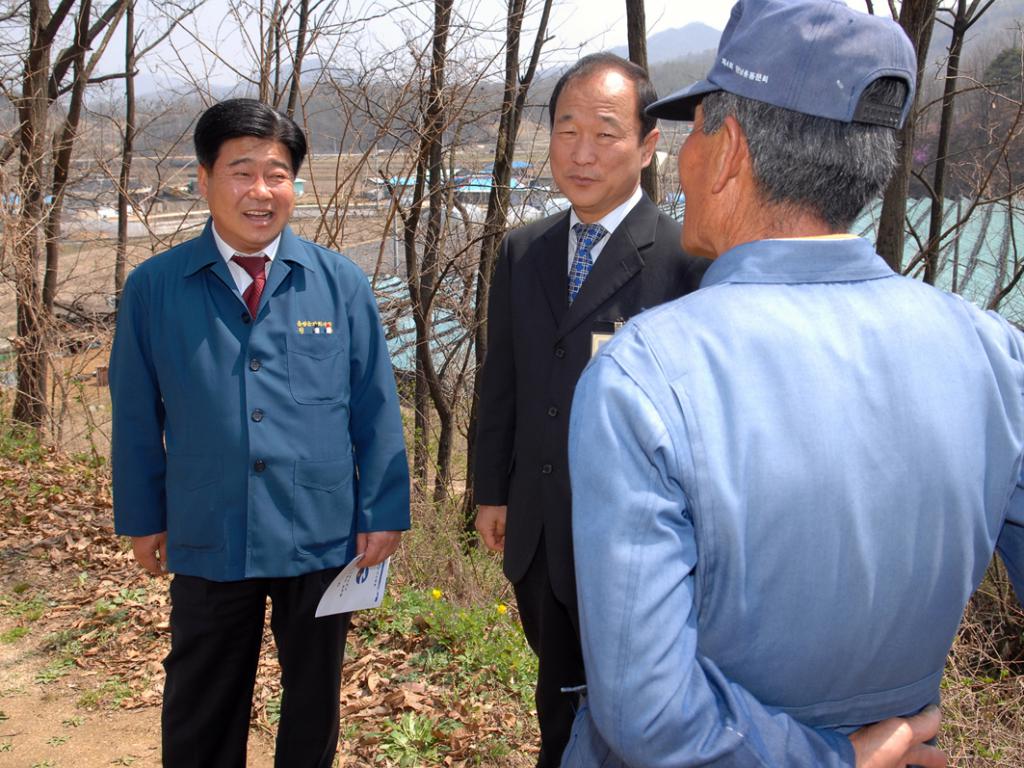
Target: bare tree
<point>44,81</point>
<point>962,17</point>
<point>636,35</point>
<point>132,53</point>
<point>516,88</point>
<point>917,17</point>
<point>127,150</point>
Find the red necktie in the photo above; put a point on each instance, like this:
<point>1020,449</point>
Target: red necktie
<point>254,266</point>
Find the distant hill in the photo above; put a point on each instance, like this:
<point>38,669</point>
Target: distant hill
<point>997,28</point>
<point>676,43</point>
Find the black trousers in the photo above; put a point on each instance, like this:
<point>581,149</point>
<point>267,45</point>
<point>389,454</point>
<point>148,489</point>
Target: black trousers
<point>553,632</point>
<point>216,632</point>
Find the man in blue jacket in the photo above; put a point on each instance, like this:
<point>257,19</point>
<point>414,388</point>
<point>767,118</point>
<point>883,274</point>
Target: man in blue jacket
<point>787,484</point>
<point>257,446</point>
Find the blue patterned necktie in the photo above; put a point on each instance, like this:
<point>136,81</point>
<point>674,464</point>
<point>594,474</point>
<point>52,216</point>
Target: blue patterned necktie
<point>587,236</point>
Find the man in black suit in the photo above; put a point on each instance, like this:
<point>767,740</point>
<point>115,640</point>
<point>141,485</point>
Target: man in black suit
<point>561,285</point>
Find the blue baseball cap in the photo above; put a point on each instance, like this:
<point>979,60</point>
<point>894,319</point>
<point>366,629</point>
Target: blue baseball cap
<point>815,57</point>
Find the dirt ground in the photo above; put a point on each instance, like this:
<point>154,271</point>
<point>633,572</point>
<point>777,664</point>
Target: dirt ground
<point>43,726</point>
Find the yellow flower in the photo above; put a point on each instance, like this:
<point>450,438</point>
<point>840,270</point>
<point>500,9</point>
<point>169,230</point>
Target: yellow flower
<point>502,608</point>
<point>436,593</point>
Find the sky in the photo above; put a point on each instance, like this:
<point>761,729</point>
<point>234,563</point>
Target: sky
<point>581,26</point>
<point>604,21</point>
<point>576,27</point>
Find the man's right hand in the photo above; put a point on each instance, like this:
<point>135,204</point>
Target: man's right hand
<point>899,742</point>
<point>490,522</point>
<point>151,552</point>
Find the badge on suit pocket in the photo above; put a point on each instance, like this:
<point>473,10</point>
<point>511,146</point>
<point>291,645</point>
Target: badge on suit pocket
<point>601,333</point>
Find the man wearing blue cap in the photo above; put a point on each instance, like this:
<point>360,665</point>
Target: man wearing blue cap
<point>812,458</point>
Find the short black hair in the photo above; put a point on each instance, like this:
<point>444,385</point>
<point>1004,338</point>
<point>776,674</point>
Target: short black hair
<point>235,118</point>
<point>598,62</point>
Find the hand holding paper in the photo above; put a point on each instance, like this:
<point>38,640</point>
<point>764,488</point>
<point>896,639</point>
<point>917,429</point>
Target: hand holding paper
<point>355,588</point>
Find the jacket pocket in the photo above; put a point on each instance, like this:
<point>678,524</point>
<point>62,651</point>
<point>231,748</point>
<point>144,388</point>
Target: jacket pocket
<point>323,504</point>
<point>195,514</point>
<point>317,368</point>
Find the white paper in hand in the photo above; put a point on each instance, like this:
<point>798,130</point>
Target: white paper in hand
<point>355,588</point>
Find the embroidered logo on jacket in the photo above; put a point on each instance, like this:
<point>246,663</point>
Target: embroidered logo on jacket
<point>314,326</point>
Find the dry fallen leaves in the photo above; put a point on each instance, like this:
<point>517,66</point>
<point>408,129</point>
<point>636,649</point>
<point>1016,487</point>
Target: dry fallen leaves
<point>58,539</point>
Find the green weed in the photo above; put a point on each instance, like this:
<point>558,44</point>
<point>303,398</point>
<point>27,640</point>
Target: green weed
<point>13,635</point>
<point>54,671</point>
<point>415,740</point>
<point>274,710</point>
<point>110,693</point>
<point>21,444</point>
<point>25,607</point>
<point>480,645</point>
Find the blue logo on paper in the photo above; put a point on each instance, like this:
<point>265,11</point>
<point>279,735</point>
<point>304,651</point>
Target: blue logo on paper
<point>363,575</point>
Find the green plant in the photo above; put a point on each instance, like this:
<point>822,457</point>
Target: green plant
<point>13,634</point>
<point>54,671</point>
<point>90,459</point>
<point>109,611</point>
<point>471,646</point>
<point>415,740</point>
<point>64,642</point>
<point>20,443</point>
<point>110,693</point>
<point>56,741</point>
<point>274,710</point>
<point>26,607</point>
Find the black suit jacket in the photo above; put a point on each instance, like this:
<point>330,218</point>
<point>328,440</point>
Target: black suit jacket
<point>537,348</point>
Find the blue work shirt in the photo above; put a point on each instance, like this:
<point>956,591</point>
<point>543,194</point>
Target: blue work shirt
<point>786,486</point>
<point>261,446</point>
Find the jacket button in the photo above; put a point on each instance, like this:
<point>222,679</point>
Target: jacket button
<point>259,465</point>
<point>559,352</point>
<point>552,411</point>
<point>245,317</point>
<point>255,364</point>
<point>257,415</point>
<point>546,469</point>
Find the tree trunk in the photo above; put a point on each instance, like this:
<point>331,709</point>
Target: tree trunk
<point>961,23</point>
<point>917,17</point>
<point>496,221</point>
<point>426,375</point>
<point>636,35</point>
<point>300,52</point>
<point>127,147</point>
<point>964,17</point>
<point>63,144</point>
<point>421,414</point>
<point>30,345</point>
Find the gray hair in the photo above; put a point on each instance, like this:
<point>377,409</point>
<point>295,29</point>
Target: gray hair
<point>828,168</point>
